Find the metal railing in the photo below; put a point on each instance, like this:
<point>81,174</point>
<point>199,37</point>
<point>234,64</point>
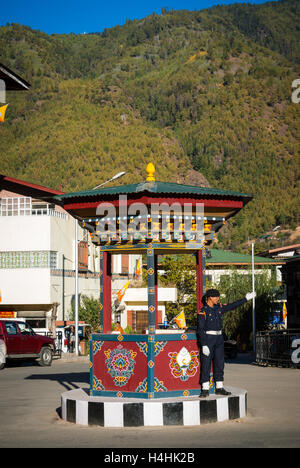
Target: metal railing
<point>23,206</point>
<point>48,212</point>
<point>278,348</point>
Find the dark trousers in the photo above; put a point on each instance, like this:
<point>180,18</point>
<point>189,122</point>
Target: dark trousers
<point>216,348</point>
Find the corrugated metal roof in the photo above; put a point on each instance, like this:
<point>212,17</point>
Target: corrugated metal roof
<point>155,187</point>
<point>225,256</point>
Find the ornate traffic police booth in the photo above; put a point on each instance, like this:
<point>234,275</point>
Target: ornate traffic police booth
<point>153,218</point>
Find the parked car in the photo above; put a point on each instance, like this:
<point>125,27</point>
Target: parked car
<point>57,339</point>
<point>18,340</point>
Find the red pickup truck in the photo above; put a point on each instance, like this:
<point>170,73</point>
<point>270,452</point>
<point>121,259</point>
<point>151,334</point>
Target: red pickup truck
<point>18,340</point>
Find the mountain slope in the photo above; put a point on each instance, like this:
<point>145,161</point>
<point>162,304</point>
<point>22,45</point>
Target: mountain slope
<point>205,93</point>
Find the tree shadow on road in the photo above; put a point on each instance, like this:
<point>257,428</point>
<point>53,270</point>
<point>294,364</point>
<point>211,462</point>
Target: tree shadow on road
<point>68,380</point>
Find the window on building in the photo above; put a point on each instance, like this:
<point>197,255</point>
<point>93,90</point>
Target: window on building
<point>15,206</point>
<point>125,263</point>
<point>140,321</point>
<point>36,323</point>
<point>83,256</point>
<point>28,259</point>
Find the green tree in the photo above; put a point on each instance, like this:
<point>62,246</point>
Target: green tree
<point>234,286</point>
<point>88,311</point>
<point>179,272</point>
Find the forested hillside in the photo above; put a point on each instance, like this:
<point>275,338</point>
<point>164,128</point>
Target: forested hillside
<point>204,95</point>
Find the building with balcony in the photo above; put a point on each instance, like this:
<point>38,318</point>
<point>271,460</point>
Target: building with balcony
<point>37,256</point>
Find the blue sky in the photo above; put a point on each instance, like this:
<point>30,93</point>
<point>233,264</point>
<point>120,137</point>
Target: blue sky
<point>79,16</point>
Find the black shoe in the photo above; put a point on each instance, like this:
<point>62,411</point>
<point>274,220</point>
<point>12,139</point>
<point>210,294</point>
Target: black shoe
<point>204,394</point>
<point>222,391</point>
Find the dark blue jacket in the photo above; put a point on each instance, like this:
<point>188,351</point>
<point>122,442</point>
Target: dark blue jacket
<point>210,318</point>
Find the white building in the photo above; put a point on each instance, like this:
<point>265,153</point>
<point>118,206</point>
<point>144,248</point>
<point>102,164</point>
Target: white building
<point>37,257</point>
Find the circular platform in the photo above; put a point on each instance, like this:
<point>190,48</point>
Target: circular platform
<point>80,408</point>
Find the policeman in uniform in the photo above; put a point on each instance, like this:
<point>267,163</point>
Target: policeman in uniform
<point>209,331</point>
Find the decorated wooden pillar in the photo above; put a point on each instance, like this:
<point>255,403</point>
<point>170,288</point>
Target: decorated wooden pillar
<point>200,278</point>
<point>105,292</point>
<point>151,288</point>
<point>101,291</point>
<point>156,290</point>
<point>152,312</point>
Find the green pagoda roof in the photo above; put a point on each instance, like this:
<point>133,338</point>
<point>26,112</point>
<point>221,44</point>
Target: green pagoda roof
<point>157,188</point>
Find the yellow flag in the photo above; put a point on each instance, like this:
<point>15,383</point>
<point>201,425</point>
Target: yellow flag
<point>2,112</point>
<point>180,320</point>
<point>138,270</point>
<point>122,291</point>
<point>284,311</point>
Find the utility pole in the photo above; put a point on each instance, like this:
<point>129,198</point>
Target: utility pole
<point>253,303</point>
<point>76,286</point>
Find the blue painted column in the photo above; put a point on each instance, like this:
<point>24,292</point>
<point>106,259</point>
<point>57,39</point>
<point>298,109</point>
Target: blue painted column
<point>151,319</point>
<point>151,289</point>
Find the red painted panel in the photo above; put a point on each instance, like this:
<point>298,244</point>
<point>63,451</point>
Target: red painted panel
<point>177,366</point>
<point>119,367</point>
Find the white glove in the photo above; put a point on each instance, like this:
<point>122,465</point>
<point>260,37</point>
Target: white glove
<point>205,350</point>
<point>250,296</point>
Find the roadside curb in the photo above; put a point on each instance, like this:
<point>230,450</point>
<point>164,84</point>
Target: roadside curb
<point>70,357</point>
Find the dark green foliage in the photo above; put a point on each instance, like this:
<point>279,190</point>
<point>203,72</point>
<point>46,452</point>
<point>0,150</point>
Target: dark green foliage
<point>88,311</point>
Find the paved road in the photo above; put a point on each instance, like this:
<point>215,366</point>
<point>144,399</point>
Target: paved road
<point>30,407</point>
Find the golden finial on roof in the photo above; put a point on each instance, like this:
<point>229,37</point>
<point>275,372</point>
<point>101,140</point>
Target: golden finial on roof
<point>150,171</point>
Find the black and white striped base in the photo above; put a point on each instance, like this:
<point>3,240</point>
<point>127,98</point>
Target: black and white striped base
<point>80,408</point>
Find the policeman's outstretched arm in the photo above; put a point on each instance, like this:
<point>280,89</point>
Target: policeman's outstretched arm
<point>240,302</point>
